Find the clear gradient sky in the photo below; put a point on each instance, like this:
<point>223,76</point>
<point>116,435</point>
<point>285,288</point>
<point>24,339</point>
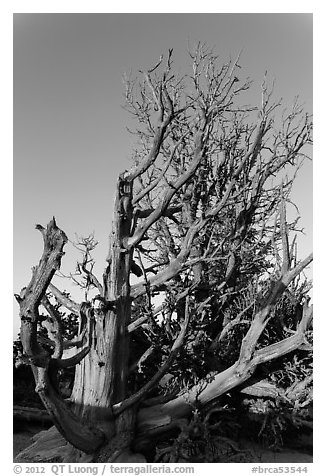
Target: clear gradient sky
<point>70,138</point>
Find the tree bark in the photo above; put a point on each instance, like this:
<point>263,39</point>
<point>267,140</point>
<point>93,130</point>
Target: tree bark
<point>100,379</point>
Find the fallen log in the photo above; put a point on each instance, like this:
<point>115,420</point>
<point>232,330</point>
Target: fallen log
<point>31,415</point>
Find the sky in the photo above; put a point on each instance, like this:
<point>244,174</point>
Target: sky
<point>70,137</point>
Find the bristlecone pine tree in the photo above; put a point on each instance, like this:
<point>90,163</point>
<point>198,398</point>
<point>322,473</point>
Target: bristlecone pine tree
<point>200,219</point>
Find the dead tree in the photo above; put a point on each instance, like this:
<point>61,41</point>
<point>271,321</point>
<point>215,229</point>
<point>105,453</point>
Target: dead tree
<point>199,218</point>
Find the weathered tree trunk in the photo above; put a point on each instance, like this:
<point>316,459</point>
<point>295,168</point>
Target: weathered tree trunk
<point>43,366</point>
<point>100,379</point>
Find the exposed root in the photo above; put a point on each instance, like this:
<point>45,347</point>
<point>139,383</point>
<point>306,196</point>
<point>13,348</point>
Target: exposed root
<point>50,447</point>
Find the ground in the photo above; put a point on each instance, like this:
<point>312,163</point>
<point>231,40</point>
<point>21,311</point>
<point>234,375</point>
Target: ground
<point>23,438</point>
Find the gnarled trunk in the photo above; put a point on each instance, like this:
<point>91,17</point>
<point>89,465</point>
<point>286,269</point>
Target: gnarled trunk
<point>100,379</point>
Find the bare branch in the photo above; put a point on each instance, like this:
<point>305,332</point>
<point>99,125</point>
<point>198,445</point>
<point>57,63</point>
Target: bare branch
<point>284,346</point>
<point>120,407</point>
<point>168,195</point>
<point>138,364</point>
<point>53,325</point>
<point>141,320</point>
<point>285,238</point>
<point>155,182</point>
<point>64,300</point>
<point>263,313</point>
